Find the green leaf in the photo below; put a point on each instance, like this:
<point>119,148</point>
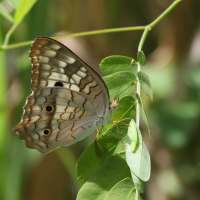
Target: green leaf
<point>146,84</point>
<point>5,14</point>
<point>132,135</point>
<point>92,157</point>
<point>23,9</point>
<point>143,112</point>
<point>139,160</point>
<point>112,64</point>
<point>126,108</point>
<point>121,190</point>
<point>114,82</point>
<point>141,58</point>
<point>137,182</point>
<point>111,172</point>
<point>132,196</point>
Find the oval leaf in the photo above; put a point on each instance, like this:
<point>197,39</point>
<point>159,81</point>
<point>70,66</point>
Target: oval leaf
<point>141,58</point>
<point>126,108</point>
<point>143,112</point>
<point>6,14</point>
<point>132,196</point>
<point>23,9</point>
<point>121,190</point>
<point>139,160</point>
<point>111,172</point>
<point>132,135</point>
<point>112,64</point>
<point>91,159</point>
<point>137,182</point>
<point>146,84</point>
<point>114,82</point>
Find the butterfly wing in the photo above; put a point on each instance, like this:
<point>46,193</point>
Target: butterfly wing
<point>56,65</point>
<point>68,98</point>
<point>57,116</point>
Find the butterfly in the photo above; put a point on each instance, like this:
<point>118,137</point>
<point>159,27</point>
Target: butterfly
<point>69,99</point>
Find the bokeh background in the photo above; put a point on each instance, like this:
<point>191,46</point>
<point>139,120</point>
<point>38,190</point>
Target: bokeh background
<point>172,49</point>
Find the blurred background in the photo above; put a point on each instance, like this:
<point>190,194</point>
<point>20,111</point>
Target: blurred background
<point>172,49</point>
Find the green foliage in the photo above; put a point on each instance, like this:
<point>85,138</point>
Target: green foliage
<point>126,189</point>
<point>114,83</point>
<point>145,83</point>
<point>5,14</point>
<point>112,64</point>
<point>143,112</point>
<point>132,138</point>
<point>4,127</point>
<point>92,157</point>
<point>139,160</point>
<point>108,175</point>
<point>23,9</point>
<point>137,182</point>
<point>141,58</point>
<point>126,108</point>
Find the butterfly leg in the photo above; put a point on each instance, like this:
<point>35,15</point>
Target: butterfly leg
<point>118,133</point>
<point>121,120</point>
<point>100,133</point>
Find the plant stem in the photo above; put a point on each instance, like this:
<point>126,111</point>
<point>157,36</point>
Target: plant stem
<point>137,195</point>
<point>14,26</point>
<point>147,28</point>
<point>144,35</point>
<point>112,30</point>
<point>142,40</point>
<point>158,19</point>
<point>138,106</point>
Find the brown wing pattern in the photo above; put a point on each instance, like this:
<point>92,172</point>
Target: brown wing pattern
<point>57,116</point>
<point>55,65</point>
<point>68,98</point>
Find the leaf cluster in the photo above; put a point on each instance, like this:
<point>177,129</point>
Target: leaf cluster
<point>125,166</point>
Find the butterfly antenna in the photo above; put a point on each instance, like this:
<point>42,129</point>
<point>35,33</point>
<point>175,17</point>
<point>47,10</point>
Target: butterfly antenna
<point>124,78</point>
<point>126,88</point>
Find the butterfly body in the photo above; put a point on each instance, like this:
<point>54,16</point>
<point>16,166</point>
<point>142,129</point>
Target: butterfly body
<point>69,99</point>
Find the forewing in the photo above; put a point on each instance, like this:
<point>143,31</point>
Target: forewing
<point>56,65</point>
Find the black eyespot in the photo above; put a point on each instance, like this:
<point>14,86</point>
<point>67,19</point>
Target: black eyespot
<point>59,84</point>
<point>49,108</point>
<point>46,132</point>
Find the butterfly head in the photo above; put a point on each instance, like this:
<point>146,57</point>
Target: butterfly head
<point>114,103</point>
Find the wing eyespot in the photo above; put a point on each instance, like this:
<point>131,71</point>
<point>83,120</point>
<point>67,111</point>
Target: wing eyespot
<point>49,108</point>
<point>46,131</point>
<point>59,84</point>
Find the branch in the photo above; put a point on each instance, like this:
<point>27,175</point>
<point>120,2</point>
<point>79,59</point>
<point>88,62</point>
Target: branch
<point>12,46</point>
